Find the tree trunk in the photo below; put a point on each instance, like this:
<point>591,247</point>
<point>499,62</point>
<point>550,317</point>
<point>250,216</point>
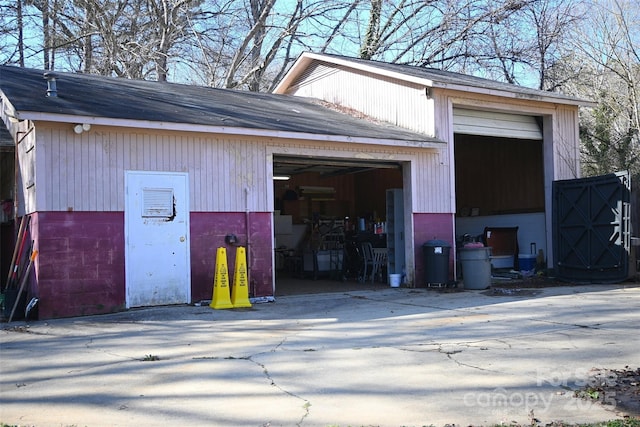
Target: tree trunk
<point>20,24</point>
<point>46,33</point>
<point>372,37</point>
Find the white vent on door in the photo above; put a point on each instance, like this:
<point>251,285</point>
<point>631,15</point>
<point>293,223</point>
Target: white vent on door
<point>157,202</point>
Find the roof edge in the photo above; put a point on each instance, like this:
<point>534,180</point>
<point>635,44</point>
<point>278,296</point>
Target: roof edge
<point>426,143</point>
<point>558,99</point>
<point>306,58</point>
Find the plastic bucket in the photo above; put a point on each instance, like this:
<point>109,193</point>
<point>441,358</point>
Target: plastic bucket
<point>394,280</point>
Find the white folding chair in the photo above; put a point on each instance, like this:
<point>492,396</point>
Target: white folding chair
<point>379,261</point>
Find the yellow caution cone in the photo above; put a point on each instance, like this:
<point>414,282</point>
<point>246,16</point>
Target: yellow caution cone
<point>240,292</point>
<point>221,282</point>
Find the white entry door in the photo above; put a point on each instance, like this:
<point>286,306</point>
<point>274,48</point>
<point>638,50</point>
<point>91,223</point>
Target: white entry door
<point>157,256</point>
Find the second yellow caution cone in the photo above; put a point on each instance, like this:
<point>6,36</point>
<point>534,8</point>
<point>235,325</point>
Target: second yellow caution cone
<point>221,296</point>
<point>240,292</point>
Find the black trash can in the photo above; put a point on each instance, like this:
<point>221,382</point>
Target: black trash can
<point>436,262</point>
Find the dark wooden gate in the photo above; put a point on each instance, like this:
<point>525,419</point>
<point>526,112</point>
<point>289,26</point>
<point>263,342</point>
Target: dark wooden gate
<point>591,228</point>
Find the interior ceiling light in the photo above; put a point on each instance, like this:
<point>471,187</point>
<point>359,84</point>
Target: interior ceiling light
<point>281,177</point>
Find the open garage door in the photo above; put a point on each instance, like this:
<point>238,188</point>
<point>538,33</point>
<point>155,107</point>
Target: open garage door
<point>499,173</point>
<point>491,123</point>
<point>288,166</point>
<point>325,209</point>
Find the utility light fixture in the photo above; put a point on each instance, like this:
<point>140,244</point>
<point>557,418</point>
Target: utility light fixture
<point>79,128</point>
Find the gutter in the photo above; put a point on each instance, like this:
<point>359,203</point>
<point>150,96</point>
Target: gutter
<point>426,143</point>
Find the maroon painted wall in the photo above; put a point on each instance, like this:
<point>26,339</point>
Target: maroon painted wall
<point>80,268</point>
<point>208,231</point>
<point>80,263</point>
<point>430,226</point>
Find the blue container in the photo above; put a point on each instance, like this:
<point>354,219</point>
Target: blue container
<point>527,262</point>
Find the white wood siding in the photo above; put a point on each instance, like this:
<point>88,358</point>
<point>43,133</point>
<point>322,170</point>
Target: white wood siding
<point>406,104</point>
<point>86,172</point>
<point>565,142</point>
<point>433,187</point>
<point>27,168</point>
<point>393,101</point>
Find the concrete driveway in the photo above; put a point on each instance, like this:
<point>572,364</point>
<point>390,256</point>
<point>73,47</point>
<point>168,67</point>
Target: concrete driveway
<point>391,357</point>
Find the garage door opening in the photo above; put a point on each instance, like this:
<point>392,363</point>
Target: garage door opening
<point>327,212</point>
<point>499,173</point>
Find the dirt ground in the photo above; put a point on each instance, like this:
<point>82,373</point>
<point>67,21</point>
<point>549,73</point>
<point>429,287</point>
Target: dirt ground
<point>617,389</point>
<point>535,281</point>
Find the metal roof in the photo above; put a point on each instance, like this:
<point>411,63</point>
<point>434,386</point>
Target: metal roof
<point>91,96</point>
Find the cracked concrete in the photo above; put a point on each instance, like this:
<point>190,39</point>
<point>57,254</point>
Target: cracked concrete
<point>389,357</point>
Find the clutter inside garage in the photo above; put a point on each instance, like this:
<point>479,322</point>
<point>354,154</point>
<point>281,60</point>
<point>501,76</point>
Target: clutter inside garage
<point>338,220</point>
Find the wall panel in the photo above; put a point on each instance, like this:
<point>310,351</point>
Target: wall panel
<point>566,148</point>
<point>86,172</point>
<point>401,103</point>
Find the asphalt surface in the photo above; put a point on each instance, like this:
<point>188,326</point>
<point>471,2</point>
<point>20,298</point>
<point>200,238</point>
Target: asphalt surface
<point>390,357</point>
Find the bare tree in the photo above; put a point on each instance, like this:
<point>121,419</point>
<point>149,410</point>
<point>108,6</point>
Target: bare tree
<point>522,46</point>
<point>371,41</point>
<point>11,44</point>
<point>426,33</point>
<point>127,38</point>
<point>605,57</point>
<point>170,26</point>
<point>249,44</point>
<point>516,41</point>
<point>20,31</point>
<point>255,41</point>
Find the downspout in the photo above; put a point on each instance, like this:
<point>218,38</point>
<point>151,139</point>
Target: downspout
<point>246,218</point>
